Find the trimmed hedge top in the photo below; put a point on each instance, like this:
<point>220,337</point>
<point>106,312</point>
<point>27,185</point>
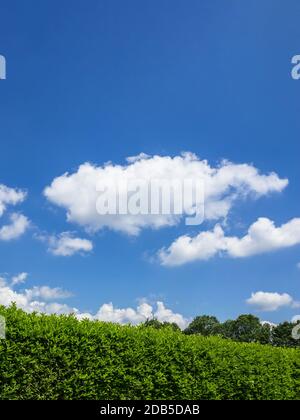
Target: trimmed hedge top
<point>59,357</point>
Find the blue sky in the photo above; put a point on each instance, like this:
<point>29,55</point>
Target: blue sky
<point>103,80</point>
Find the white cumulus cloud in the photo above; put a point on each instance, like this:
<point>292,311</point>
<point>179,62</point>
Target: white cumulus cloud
<point>35,299</point>
<point>42,299</point>
<point>107,312</point>
<point>263,236</point>
<point>66,244</point>
<point>224,184</point>
<point>18,223</point>
<point>10,197</point>
<point>17,227</point>
<point>268,301</point>
<point>47,293</point>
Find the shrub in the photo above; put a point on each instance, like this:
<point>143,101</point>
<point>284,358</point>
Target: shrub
<point>59,357</point>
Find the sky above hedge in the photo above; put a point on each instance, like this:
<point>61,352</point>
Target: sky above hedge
<point>150,88</point>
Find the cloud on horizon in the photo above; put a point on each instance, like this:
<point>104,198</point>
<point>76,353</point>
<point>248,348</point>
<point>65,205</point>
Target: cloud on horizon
<point>42,299</point>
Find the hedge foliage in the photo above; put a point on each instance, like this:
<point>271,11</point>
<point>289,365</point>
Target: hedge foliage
<point>59,357</point>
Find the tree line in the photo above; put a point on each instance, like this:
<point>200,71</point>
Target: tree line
<point>246,328</point>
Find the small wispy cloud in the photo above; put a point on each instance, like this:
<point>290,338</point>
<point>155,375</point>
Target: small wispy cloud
<point>66,244</point>
<point>19,278</point>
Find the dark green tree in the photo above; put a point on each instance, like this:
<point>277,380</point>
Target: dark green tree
<point>154,323</point>
<point>247,328</point>
<point>205,325</point>
<point>282,335</point>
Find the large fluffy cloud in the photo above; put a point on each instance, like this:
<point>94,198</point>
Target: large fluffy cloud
<point>225,183</point>
<point>263,236</point>
<point>268,301</point>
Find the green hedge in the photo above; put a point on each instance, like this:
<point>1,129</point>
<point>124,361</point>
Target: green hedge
<point>58,357</point>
